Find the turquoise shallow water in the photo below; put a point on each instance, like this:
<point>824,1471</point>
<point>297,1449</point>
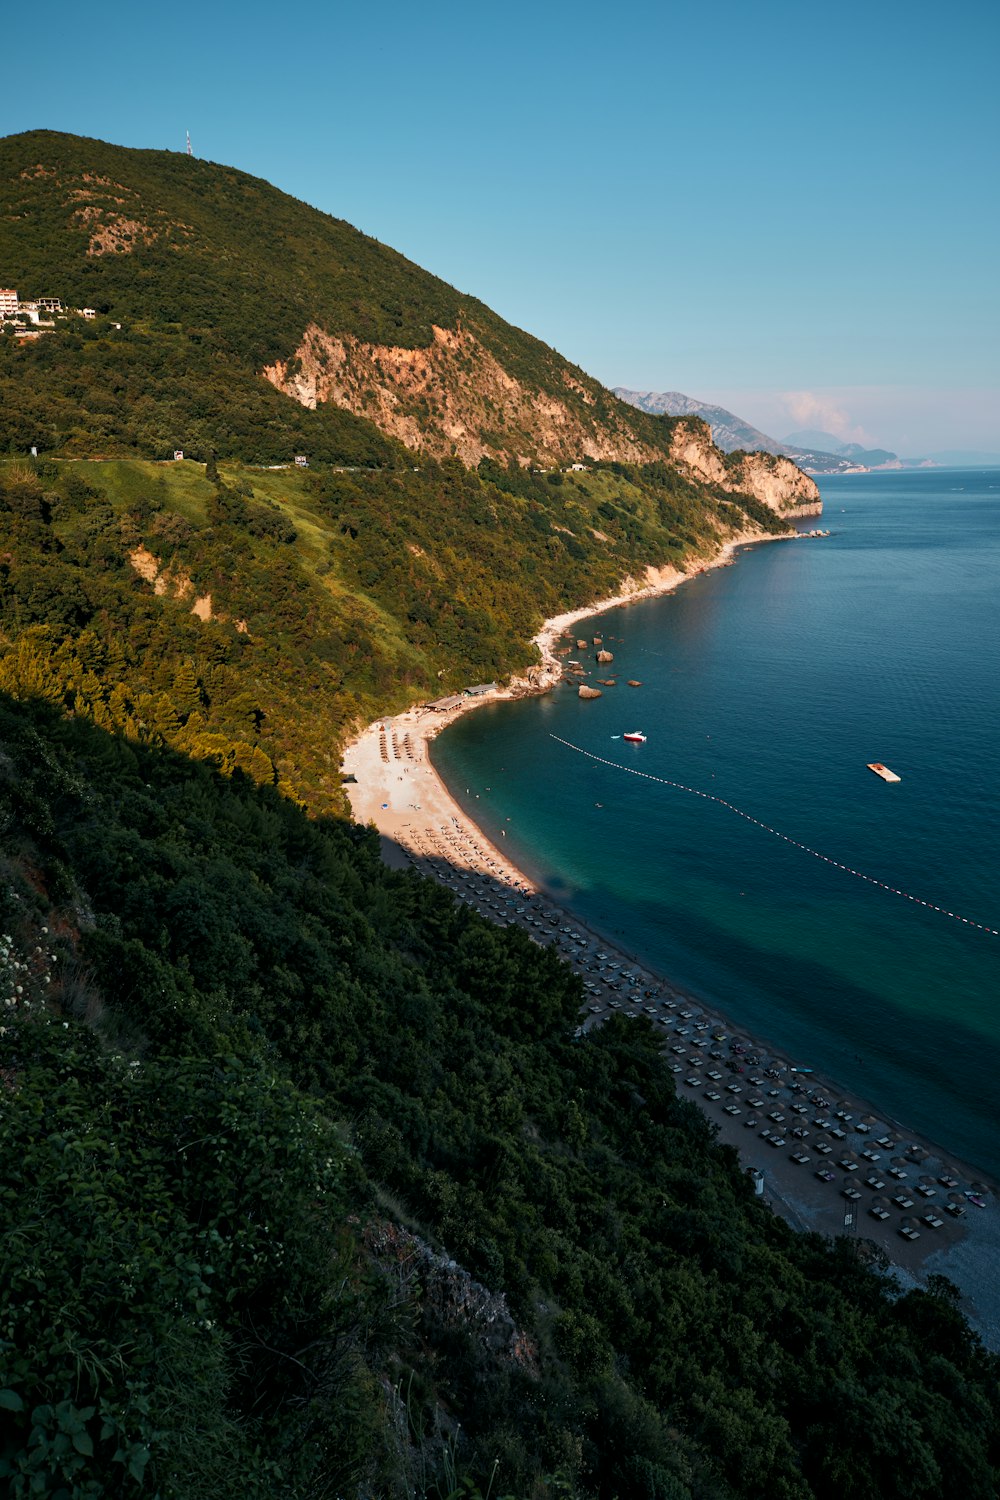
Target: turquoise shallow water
<point>771,684</point>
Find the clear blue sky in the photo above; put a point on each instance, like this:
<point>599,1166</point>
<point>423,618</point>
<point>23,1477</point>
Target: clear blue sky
<point>789,208</point>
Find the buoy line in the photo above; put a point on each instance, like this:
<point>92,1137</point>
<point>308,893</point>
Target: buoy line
<point>749,818</point>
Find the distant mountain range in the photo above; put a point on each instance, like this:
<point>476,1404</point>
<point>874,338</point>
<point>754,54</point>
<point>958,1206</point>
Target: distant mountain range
<point>816,442</point>
<point>815,451</point>
<point>732,434</point>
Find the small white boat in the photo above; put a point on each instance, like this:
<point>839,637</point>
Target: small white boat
<point>636,737</point>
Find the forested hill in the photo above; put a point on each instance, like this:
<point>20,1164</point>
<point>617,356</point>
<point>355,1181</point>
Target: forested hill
<point>254,615</point>
<point>216,277</point>
<point>254,618</point>
<point>309,1187</point>
<point>309,1190</point>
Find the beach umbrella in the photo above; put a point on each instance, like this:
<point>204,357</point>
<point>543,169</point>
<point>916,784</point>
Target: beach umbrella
<point>901,1161</point>
<point>917,1152</point>
<point>926,1181</point>
<point>868,1120</point>
<point>956,1198</point>
<point>979,1187</point>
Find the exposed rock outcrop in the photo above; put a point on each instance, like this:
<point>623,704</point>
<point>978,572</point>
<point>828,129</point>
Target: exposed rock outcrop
<point>768,477</point>
<point>452,397</point>
<point>174,583</point>
<point>447,1295</point>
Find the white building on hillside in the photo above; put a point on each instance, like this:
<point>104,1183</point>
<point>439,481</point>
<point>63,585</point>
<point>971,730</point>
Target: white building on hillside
<point>8,303</point>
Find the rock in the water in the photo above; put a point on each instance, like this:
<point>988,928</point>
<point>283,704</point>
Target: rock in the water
<point>588,692</point>
<point>581,645</point>
<point>631,683</point>
<point>605,656</point>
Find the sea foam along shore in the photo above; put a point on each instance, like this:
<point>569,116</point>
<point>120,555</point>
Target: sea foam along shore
<point>398,789</point>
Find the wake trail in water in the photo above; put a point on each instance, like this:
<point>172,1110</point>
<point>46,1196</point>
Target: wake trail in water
<point>785,838</point>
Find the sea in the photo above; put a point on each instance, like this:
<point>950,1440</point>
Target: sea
<point>756,861</point>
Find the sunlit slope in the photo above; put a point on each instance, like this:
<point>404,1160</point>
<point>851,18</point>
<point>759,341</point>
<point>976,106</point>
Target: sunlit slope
<point>254,616</point>
<point>217,276</point>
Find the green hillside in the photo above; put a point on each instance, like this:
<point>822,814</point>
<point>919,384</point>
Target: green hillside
<point>310,1191</point>
<point>309,1187</point>
<point>331,596</point>
<point>214,275</point>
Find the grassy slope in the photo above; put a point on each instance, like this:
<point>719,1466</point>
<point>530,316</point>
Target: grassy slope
<point>359,592</point>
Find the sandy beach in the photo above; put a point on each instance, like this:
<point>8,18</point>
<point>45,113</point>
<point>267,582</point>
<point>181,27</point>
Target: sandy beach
<point>823,1159</point>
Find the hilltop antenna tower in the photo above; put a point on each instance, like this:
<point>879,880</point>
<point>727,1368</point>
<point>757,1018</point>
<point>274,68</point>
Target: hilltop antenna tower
<point>188,134</point>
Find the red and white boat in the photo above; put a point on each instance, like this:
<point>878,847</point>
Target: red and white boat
<point>636,737</point>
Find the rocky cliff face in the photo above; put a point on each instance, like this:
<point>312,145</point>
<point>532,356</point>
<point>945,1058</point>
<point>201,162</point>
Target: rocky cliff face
<point>769,477</point>
<point>729,432</point>
<point>454,397</point>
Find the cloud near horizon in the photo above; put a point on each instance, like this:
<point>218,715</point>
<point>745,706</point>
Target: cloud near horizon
<point>809,410</point>
<point>910,420</point>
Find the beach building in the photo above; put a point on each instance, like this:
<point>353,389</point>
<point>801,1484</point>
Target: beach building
<point>480,689</point>
<point>442,705</point>
<point>8,302</point>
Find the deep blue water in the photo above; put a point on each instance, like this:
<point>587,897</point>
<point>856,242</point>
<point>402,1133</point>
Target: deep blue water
<point>772,684</point>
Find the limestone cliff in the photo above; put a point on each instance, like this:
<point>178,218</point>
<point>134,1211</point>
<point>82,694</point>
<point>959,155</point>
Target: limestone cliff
<point>454,397</point>
<point>769,477</point>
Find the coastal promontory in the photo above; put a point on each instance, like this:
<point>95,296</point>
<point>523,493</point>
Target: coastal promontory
<point>313,1182</point>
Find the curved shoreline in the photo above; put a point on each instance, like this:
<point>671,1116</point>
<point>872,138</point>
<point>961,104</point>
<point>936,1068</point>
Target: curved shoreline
<point>399,789</point>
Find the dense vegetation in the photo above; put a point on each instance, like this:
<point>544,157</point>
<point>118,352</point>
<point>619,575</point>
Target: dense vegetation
<point>213,275</point>
<point>334,596</point>
<point>310,1187</point>
<point>93,389</point>
<point>238,1053</point>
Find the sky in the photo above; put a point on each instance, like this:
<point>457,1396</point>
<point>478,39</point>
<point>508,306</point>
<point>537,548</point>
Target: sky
<point>784,208</point>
